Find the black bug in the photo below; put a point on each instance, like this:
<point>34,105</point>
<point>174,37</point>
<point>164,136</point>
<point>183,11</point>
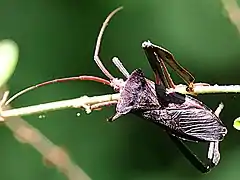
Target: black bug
<point>183,117</point>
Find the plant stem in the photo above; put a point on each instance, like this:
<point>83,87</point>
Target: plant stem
<point>213,89</point>
<point>86,102</point>
<point>82,102</point>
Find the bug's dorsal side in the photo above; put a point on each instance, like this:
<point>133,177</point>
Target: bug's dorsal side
<point>137,94</point>
<point>188,120</point>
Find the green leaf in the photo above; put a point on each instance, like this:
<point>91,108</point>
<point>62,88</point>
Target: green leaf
<point>236,123</point>
<point>8,59</point>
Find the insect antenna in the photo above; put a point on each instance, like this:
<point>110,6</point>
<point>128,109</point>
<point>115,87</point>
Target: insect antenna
<point>98,44</point>
<point>81,78</point>
<point>88,78</point>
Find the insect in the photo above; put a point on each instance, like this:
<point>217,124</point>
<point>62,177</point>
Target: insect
<point>183,117</point>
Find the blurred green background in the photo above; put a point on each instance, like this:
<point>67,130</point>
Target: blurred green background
<point>57,39</point>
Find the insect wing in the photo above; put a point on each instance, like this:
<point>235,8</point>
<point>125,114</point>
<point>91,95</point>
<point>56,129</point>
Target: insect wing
<point>188,118</point>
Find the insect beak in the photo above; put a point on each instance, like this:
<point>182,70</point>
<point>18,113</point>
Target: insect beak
<point>113,118</point>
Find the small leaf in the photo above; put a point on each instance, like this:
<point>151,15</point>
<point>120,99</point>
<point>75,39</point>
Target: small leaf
<point>8,59</point>
<point>236,123</point>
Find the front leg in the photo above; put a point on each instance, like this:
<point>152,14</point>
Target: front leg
<point>157,57</point>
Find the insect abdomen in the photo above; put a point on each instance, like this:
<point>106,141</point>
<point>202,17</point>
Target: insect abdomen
<point>191,124</point>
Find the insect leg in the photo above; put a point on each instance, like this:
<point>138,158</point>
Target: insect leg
<point>161,73</point>
<point>193,158</point>
<point>120,66</point>
<point>163,56</point>
<point>213,150</point>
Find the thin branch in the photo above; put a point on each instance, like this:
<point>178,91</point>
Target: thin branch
<point>99,101</point>
<point>82,102</point>
<point>52,154</point>
<point>209,89</point>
